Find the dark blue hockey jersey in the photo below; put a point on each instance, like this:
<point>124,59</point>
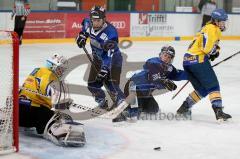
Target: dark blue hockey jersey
<point>104,43</point>
<point>155,68</point>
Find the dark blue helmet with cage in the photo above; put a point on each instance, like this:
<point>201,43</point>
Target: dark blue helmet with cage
<point>168,50</point>
<point>97,12</point>
<point>219,14</point>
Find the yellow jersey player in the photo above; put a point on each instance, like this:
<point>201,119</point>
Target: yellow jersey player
<point>196,63</point>
<point>39,94</point>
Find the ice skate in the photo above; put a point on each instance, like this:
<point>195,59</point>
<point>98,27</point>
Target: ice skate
<point>220,115</point>
<point>184,110</point>
<point>103,104</point>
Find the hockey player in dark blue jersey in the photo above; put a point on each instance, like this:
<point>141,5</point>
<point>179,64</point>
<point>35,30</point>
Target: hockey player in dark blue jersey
<point>107,57</point>
<point>157,74</point>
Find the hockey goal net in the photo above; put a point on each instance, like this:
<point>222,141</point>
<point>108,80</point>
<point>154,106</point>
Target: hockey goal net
<point>9,61</point>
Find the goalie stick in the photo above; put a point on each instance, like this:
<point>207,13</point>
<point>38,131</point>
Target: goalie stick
<point>87,112</point>
<point>95,112</point>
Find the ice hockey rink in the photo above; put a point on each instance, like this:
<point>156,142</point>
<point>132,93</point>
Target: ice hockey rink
<point>201,137</point>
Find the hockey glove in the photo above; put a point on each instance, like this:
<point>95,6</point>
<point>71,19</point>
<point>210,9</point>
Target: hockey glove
<point>103,74</point>
<point>214,53</point>
<point>109,45</point>
<point>81,39</point>
<point>168,84</point>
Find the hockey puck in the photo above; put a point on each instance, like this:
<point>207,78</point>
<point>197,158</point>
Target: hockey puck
<point>157,148</point>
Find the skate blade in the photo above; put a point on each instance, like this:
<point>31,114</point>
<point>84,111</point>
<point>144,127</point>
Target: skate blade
<point>183,116</point>
<point>121,124</point>
<point>124,123</point>
<point>132,120</point>
<point>127,120</point>
<point>220,121</point>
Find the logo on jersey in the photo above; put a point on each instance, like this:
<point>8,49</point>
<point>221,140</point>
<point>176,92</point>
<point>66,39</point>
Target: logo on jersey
<point>104,36</point>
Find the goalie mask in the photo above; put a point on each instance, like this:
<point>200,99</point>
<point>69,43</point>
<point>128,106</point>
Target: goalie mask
<point>167,54</point>
<point>58,64</point>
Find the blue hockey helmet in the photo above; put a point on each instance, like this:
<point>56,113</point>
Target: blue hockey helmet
<point>167,50</point>
<point>97,17</point>
<point>219,14</point>
<point>97,12</point>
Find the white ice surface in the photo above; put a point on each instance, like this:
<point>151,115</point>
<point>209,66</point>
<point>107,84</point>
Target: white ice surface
<point>199,138</point>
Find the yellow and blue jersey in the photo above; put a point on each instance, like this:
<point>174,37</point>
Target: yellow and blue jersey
<point>203,43</point>
<point>38,81</point>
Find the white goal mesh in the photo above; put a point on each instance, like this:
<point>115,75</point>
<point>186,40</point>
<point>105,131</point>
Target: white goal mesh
<point>8,92</point>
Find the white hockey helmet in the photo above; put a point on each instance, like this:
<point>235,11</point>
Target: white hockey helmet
<point>58,64</point>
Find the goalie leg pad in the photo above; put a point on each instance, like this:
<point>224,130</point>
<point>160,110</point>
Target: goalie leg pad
<point>68,134</point>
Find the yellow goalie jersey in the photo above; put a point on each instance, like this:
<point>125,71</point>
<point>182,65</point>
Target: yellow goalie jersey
<point>38,81</point>
<point>203,43</point>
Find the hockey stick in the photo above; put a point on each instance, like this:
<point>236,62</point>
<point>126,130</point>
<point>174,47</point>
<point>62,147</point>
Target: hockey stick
<point>86,112</point>
<point>93,111</point>
<point>96,112</point>
<point>95,68</point>
<point>229,57</point>
<point>89,58</point>
<point>113,113</point>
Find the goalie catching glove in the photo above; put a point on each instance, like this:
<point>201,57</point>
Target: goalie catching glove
<point>63,131</point>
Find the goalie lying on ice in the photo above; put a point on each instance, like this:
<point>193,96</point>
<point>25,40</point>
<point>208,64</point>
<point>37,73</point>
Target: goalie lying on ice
<point>39,94</point>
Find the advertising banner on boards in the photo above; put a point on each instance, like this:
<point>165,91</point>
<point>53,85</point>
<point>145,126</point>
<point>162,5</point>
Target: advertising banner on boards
<point>162,24</point>
<point>45,25</point>
<point>68,25</point>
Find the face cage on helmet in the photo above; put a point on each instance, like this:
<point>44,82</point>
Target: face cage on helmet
<point>166,52</point>
<point>169,52</point>
<point>58,70</point>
